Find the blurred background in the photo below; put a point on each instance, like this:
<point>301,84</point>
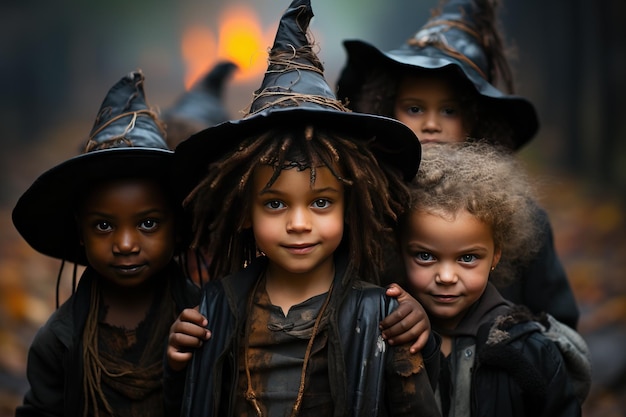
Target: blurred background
<point>58,60</point>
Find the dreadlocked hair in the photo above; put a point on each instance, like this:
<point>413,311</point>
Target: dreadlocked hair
<point>489,183</point>
<point>220,203</point>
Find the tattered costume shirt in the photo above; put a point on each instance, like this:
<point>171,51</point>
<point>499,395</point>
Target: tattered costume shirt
<point>276,350</point>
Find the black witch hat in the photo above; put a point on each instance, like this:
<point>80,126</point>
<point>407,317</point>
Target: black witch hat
<point>127,140</point>
<point>294,93</point>
<point>456,38</point>
<point>200,107</point>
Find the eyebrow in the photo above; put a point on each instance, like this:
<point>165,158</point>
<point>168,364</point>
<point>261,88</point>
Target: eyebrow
<point>417,245</point>
<point>315,190</point>
<point>411,99</point>
<point>111,215</point>
<point>474,249</point>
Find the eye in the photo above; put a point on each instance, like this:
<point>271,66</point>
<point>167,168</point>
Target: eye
<point>274,205</point>
<point>321,203</point>
<point>423,257</point>
<point>148,225</point>
<point>468,258</point>
<point>450,111</point>
<point>103,226</point>
<point>414,110</point>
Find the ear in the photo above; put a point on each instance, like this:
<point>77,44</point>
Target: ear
<point>496,258</point>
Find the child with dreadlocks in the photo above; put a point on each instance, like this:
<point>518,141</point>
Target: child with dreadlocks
<point>293,209</point>
<point>470,208</point>
<point>109,209</point>
<point>442,84</point>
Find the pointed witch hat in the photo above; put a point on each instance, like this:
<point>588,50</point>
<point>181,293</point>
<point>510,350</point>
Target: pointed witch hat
<point>295,93</point>
<point>127,140</point>
<point>200,107</point>
<point>463,36</point>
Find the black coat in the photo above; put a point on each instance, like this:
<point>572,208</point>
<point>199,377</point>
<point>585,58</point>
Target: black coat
<point>502,365</point>
<point>542,285</point>
<point>55,358</point>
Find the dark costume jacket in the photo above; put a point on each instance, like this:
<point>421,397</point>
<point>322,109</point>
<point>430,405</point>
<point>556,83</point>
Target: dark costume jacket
<point>55,358</point>
<point>356,354</point>
<point>502,365</point>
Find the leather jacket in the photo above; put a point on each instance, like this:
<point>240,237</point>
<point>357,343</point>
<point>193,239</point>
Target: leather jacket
<point>357,355</point>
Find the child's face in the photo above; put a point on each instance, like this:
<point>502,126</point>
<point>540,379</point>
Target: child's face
<point>448,263</point>
<point>429,106</point>
<point>128,230</point>
<point>296,224</point>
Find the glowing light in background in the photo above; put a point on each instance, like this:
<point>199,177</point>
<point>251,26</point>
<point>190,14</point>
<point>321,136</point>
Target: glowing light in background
<point>243,41</point>
<point>198,47</point>
<point>240,38</point>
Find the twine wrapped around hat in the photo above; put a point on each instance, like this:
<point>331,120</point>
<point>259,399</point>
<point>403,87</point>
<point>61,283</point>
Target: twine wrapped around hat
<point>483,47</point>
<point>295,75</point>
<point>125,119</point>
<point>279,96</point>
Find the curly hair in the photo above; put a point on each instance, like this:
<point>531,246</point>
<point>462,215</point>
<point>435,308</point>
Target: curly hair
<point>221,201</point>
<point>489,183</point>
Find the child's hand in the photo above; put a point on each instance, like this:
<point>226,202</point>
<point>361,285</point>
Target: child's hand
<point>187,333</point>
<point>407,323</point>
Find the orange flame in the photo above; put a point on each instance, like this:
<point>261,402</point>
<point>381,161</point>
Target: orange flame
<point>241,40</point>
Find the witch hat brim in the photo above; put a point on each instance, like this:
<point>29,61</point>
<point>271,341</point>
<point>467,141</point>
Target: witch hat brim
<point>294,93</point>
<point>363,56</point>
<point>132,147</point>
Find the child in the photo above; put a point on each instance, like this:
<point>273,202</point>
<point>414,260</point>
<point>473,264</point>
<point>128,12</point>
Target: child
<point>470,207</point>
<point>441,84</point>
<point>101,353</point>
<point>293,208</point>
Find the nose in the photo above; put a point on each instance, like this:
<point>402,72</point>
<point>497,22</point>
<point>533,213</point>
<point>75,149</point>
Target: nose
<point>431,122</point>
<point>125,242</point>
<point>299,220</point>
<point>446,275</point>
